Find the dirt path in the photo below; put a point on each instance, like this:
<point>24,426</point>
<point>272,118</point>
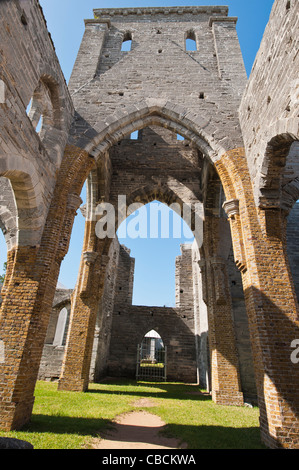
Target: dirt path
<point>136,430</point>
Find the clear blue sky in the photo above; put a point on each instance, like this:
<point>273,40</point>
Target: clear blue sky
<point>155,259</point>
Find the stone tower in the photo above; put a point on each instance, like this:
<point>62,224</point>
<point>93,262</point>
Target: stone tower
<point>116,92</point>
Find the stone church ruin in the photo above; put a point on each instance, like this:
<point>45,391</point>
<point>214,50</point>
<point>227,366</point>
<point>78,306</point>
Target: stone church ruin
<point>235,326</point>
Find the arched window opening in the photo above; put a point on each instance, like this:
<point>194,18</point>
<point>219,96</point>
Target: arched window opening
<point>49,117</point>
<point>191,42</point>
<point>127,43</point>
<point>151,362</point>
<point>60,332</point>
<point>180,137</point>
<point>40,109</point>
<point>8,225</point>
<point>152,345</point>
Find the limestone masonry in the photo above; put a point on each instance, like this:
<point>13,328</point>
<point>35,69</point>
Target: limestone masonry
<point>235,320</point>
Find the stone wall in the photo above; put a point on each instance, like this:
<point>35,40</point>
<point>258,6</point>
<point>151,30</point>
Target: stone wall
<point>119,86</point>
<point>131,323</point>
<point>269,106</point>
<point>53,351</point>
<point>131,326</point>
<point>30,72</point>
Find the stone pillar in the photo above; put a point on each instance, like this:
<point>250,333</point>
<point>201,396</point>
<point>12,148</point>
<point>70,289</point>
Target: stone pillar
<point>226,387</point>
<point>18,329</point>
<point>28,301</point>
<point>274,322</point>
<point>259,244</point>
<point>225,375</point>
<point>85,305</point>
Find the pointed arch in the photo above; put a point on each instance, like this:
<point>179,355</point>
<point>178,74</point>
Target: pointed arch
<point>274,191</point>
<point>151,112</point>
<point>27,197</point>
<point>191,211</point>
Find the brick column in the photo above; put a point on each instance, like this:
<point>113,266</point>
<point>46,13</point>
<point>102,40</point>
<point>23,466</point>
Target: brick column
<point>225,375</point>
<point>29,293</point>
<point>24,321</point>
<point>273,310</point>
<point>77,360</point>
<point>226,386</point>
<point>260,252</point>
<point>18,328</point>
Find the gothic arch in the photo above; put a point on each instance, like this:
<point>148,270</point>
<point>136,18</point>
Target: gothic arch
<point>8,212</point>
<point>284,133</point>
<point>150,328</point>
<point>26,195</point>
<point>165,115</point>
<point>168,196</point>
<point>151,112</point>
<point>47,106</point>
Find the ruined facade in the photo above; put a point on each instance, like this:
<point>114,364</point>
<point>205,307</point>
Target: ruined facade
<point>237,166</point>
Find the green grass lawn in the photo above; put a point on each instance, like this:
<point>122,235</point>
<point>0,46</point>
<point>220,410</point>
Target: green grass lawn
<point>69,420</point>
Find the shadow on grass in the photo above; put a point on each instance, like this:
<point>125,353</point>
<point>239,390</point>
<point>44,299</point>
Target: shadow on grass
<point>66,425</point>
<point>216,437</point>
<point>168,390</point>
<point>196,437</point>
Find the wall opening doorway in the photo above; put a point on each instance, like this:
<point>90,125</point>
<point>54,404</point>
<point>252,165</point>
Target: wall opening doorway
<point>151,358</point>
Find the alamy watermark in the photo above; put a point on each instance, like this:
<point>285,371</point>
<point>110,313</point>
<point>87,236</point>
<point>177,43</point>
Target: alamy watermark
<point>295,353</point>
<point>2,352</point>
<point>148,220</point>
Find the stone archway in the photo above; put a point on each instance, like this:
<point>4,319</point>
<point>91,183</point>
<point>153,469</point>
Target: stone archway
<point>232,169</point>
<point>213,126</point>
<point>151,358</point>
